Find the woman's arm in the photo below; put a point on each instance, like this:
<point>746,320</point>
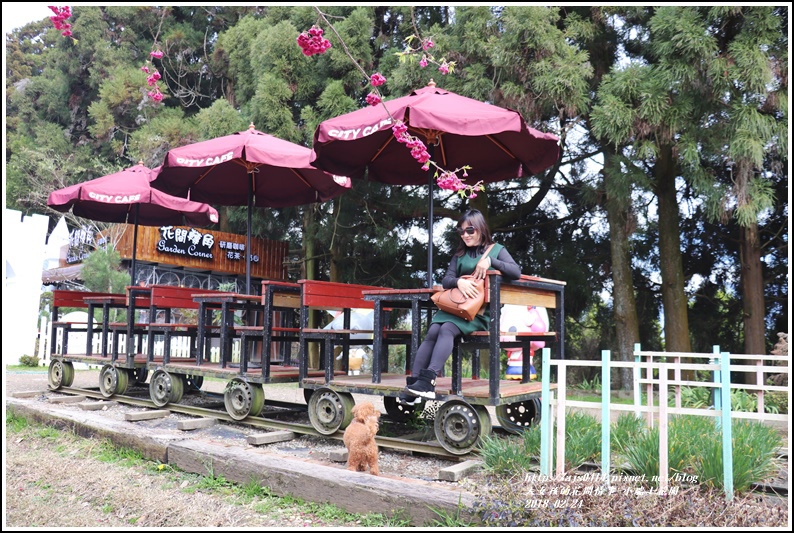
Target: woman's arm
<point>505,264</point>
<point>450,280</point>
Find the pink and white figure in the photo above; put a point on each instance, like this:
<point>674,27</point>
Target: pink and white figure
<point>520,318</point>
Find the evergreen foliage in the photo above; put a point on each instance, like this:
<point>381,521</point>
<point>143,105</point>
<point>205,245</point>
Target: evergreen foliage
<point>705,85</point>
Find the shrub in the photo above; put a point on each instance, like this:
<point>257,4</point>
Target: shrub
<point>776,402</point>
<point>29,360</point>
<point>504,456</point>
<point>754,448</point>
<point>624,430</point>
<point>582,439</point>
<point>692,397</point>
<point>684,439</point>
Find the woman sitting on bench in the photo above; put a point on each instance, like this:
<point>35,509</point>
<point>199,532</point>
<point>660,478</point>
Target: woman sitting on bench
<point>445,327</point>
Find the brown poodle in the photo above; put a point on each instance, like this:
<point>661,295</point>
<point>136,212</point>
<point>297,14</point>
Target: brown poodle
<point>359,438</point>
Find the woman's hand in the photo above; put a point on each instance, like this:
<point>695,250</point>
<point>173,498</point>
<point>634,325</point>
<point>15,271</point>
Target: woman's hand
<point>468,287</point>
<point>482,267</point>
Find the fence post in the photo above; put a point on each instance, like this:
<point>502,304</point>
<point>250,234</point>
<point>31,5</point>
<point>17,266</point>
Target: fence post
<point>716,396</point>
<point>664,456</point>
<point>44,338</point>
<point>727,427</point>
<point>545,413</point>
<point>562,380</point>
<point>606,386</point>
<point>636,371</point>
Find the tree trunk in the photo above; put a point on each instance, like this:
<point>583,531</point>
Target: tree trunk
<point>223,219</point>
<point>674,300</point>
<point>627,327</point>
<point>752,295</point>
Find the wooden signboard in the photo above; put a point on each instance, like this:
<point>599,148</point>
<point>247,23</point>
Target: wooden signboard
<point>202,249</point>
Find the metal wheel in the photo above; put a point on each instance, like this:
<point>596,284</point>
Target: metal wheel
<point>307,395</point>
<point>165,388</point>
<point>458,426</point>
<point>191,281</point>
<point>193,383</point>
<point>400,412</point>
<point>330,411</point>
<point>485,420</point>
<point>243,398</point>
<point>147,275</point>
<point>519,416</point>
<point>168,278</point>
<point>141,374</point>
<point>60,374</point>
<point>113,380</point>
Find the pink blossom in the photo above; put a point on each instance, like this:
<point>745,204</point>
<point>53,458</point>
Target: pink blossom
<point>145,69</point>
<point>61,14</point>
<point>423,62</point>
<point>373,98</point>
<point>312,42</point>
<point>444,69</point>
<point>427,44</point>
<point>157,54</point>
<point>377,79</point>
<point>450,182</point>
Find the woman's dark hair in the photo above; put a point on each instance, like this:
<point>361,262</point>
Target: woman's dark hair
<point>474,218</point>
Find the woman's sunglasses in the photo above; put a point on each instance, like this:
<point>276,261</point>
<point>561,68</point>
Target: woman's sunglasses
<point>469,231</point>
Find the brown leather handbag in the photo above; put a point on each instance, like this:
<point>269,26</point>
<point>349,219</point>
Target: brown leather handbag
<point>454,302</point>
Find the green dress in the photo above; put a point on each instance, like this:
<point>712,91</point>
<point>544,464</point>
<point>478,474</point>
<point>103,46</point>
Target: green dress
<point>466,265</point>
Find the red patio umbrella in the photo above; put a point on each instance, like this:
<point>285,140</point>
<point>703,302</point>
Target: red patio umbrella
<point>494,141</point>
<point>127,196</point>
<point>247,168</point>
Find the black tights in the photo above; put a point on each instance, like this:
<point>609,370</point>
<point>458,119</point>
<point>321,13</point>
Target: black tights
<point>436,348</point>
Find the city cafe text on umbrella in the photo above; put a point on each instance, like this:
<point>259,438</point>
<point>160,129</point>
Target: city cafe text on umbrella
<point>248,168</point>
<point>493,141</point>
<point>127,197</point>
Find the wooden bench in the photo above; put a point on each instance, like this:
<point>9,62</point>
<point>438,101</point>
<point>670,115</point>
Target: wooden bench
<point>130,327</point>
<point>168,298</point>
<point>344,297</point>
<point>75,299</point>
<point>527,290</point>
<point>280,301</point>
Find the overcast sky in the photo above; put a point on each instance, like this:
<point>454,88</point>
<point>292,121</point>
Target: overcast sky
<point>17,14</point>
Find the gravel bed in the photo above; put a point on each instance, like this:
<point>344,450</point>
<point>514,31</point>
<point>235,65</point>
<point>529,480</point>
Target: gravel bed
<point>392,463</point>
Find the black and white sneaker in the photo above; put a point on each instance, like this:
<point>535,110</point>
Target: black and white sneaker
<point>425,385</point>
<point>407,398</point>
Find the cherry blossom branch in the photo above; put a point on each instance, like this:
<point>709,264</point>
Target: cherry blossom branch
<point>312,43</point>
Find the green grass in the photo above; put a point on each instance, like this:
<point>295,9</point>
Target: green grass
<point>615,398</point>
<point>25,368</point>
<point>250,494</point>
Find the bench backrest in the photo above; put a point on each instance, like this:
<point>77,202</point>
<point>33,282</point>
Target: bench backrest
<point>66,298</point>
<point>335,296</point>
<point>175,297</point>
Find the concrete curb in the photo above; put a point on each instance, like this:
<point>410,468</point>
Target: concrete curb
<point>416,500</point>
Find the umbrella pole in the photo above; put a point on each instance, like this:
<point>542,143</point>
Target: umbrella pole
<point>134,243</point>
<point>248,234</point>
<point>430,229</point>
<point>430,150</point>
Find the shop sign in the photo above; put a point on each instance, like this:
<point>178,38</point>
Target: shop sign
<point>187,242</point>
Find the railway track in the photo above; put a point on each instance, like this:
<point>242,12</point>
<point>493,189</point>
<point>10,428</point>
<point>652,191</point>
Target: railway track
<point>274,409</point>
<point>267,420</point>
